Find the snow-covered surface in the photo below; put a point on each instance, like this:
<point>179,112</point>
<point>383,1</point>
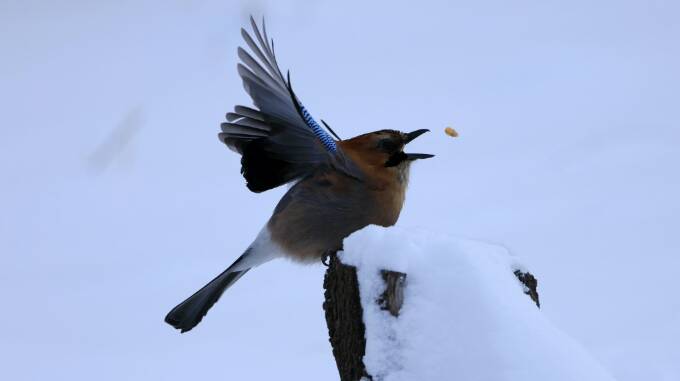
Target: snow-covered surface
<point>464,316</point>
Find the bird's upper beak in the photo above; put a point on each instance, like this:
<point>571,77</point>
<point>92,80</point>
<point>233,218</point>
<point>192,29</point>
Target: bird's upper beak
<point>414,134</point>
<point>409,138</point>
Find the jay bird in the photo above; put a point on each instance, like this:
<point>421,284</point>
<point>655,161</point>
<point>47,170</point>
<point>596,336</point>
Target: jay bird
<point>340,186</point>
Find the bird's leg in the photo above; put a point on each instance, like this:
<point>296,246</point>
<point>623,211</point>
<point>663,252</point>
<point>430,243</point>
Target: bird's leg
<point>326,257</point>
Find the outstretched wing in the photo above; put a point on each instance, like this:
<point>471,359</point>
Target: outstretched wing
<point>279,140</point>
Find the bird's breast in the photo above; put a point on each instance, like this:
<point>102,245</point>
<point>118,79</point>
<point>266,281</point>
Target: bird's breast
<point>390,195</point>
<point>388,204</point>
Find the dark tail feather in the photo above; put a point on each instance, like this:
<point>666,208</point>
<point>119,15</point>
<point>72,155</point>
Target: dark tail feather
<point>190,312</point>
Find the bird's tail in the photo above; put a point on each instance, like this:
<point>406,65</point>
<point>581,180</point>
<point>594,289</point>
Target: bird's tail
<point>190,312</point>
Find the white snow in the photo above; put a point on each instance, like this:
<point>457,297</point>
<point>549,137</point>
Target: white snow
<point>464,317</point>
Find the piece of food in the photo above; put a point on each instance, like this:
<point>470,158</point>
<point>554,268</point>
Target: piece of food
<point>451,132</point>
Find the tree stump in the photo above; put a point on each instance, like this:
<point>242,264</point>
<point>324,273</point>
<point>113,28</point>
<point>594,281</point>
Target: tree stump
<point>344,313</point>
<point>344,318</point>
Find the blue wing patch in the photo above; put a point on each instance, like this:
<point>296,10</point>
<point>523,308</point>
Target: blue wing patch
<point>325,138</point>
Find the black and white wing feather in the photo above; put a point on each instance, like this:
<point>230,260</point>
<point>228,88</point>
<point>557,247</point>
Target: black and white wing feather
<point>278,140</point>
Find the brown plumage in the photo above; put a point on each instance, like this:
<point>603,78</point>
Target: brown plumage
<point>318,212</point>
<point>340,186</point>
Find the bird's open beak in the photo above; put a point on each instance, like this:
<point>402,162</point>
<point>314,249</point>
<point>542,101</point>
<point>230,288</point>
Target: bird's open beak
<point>409,138</point>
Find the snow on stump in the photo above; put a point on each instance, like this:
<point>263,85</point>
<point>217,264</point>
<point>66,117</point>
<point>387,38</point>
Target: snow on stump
<point>404,304</point>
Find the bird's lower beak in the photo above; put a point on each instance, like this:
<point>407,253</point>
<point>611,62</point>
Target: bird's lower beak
<point>412,135</point>
<point>416,156</point>
<point>409,137</point>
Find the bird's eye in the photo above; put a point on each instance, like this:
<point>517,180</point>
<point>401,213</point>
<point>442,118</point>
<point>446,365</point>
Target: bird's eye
<point>387,145</point>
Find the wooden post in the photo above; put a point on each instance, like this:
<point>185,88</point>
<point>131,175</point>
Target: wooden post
<point>344,314</point>
<point>344,318</point>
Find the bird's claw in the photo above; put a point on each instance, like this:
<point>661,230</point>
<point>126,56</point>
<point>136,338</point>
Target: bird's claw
<point>326,259</point>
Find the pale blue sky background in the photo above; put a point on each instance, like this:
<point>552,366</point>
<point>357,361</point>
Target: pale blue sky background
<point>118,200</point>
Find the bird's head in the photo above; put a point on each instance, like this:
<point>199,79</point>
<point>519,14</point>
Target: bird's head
<point>384,149</point>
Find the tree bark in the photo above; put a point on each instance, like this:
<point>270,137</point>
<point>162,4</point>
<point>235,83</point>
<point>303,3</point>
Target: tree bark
<point>344,313</point>
<point>344,318</point>
<point>530,285</point>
